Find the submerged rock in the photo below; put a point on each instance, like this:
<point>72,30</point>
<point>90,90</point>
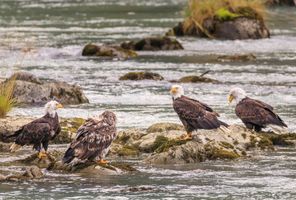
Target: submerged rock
<point>28,89</point>
<point>69,128</point>
<point>32,172</point>
<point>196,79</point>
<point>153,44</point>
<point>241,58</point>
<point>136,76</point>
<point>108,51</point>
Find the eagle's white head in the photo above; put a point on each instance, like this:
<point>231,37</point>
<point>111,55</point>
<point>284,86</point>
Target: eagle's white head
<point>236,94</point>
<point>176,91</point>
<point>51,107</point>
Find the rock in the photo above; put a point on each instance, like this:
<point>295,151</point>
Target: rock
<point>236,29</point>
<point>196,79</point>
<point>107,51</point>
<point>281,2</point>
<point>239,58</point>
<point>153,44</point>
<point>9,125</point>
<point>28,89</point>
<point>136,76</point>
<point>32,172</point>
<point>162,127</point>
<point>210,145</point>
<point>240,28</point>
<point>4,147</point>
<point>2,177</point>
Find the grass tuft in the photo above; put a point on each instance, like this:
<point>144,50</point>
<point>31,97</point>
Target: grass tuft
<point>7,102</point>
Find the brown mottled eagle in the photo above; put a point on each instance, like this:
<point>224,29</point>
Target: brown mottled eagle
<point>254,114</point>
<point>40,131</point>
<point>194,114</point>
<point>93,139</point>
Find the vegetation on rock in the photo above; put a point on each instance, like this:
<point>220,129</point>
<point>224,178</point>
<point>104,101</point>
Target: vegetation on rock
<point>7,102</point>
<point>141,76</point>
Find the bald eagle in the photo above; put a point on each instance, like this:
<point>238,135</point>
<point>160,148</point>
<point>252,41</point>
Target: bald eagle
<point>93,139</point>
<point>194,114</point>
<point>40,131</point>
<point>254,114</point>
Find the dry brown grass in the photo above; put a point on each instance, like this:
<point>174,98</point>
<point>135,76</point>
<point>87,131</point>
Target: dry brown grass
<point>198,11</point>
<point>7,102</point>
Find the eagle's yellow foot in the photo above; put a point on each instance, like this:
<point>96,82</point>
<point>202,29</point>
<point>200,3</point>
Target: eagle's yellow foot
<point>187,136</point>
<point>102,161</point>
<point>42,154</point>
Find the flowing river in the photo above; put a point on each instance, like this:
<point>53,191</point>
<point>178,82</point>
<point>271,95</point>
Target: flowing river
<point>56,31</point>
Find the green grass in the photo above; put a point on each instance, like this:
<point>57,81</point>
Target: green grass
<point>7,102</point>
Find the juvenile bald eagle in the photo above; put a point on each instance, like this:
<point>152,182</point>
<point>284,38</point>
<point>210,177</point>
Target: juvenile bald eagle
<point>40,131</point>
<point>254,114</point>
<point>93,139</point>
<point>194,114</point>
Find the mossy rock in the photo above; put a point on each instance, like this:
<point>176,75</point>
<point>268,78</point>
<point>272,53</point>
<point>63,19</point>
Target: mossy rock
<point>127,150</point>
<point>136,76</point>
<point>69,129</point>
<point>197,79</point>
<point>163,144</point>
<point>162,127</point>
<point>281,139</point>
<point>219,153</point>
<point>90,50</point>
<point>153,44</point>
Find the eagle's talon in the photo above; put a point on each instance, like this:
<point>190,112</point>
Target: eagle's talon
<point>187,136</point>
<point>102,161</point>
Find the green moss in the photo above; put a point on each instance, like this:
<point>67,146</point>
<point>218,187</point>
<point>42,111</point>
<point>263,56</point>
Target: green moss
<point>223,14</point>
<point>244,153</point>
<point>265,144</point>
<point>281,140</point>
<point>244,135</point>
<point>217,153</point>
<point>235,142</point>
<point>163,144</point>
<point>248,12</point>
<point>123,139</point>
<point>127,150</point>
<point>227,145</point>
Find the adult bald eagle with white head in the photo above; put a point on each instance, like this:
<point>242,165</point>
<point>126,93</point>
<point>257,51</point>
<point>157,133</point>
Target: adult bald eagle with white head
<point>254,114</point>
<point>194,114</point>
<point>93,139</point>
<point>40,131</point>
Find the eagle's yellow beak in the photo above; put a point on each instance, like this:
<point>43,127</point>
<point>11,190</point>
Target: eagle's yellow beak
<point>230,98</point>
<point>173,90</point>
<point>59,106</point>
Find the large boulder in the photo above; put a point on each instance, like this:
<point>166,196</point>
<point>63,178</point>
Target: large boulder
<point>137,76</point>
<point>236,29</point>
<point>28,89</point>
<point>153,44</point>
<point>107,51</point>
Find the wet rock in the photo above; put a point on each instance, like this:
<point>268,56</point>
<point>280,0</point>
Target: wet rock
<point>31,90</point>
<point>196,79</point>
<point>32,172</point>
<point>153,44</point>
<point>236,29</point>
<point>4,147</point>
<point>162,127</point>
<point>69,128</point>
<point>281,2</point>
<point>136,76</point>
<point>209,145</point>
<point>138,189</point>
<point>52,157</point>
<point>239,58</point>
<point>108,51</point>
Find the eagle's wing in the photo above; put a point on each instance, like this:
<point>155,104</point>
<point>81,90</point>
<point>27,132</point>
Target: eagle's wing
<point>255,112</point>
<point>33,133</point>
<point>92,138</point>
<point>199,103</point>
<point>195,116</point>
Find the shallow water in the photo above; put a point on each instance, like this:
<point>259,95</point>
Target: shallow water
<point>56,31</point>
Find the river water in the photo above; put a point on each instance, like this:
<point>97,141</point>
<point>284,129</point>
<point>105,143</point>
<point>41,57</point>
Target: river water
<point>55,31</point>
